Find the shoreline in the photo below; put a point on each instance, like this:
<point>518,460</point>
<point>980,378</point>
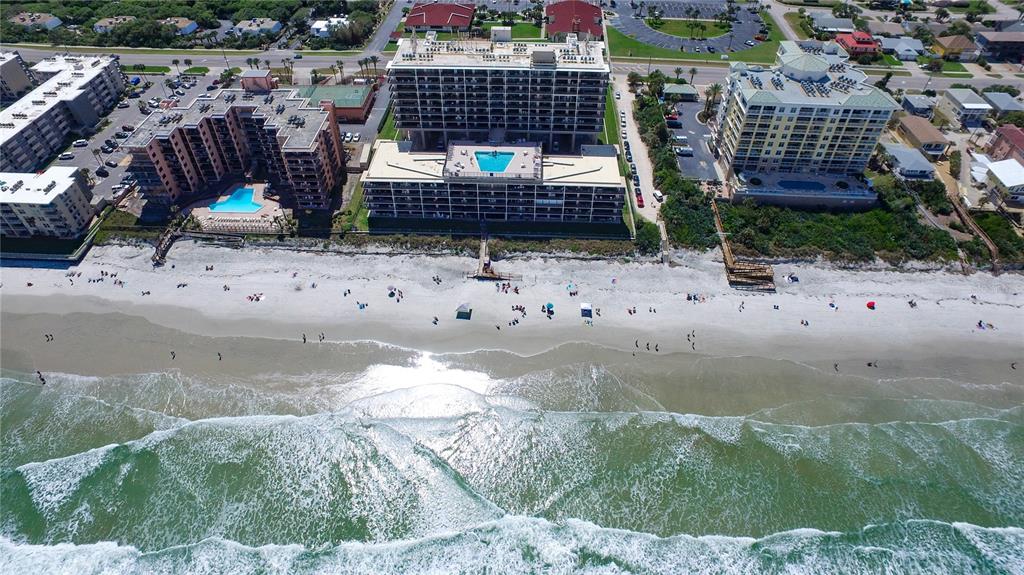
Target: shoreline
<point>727,323</point>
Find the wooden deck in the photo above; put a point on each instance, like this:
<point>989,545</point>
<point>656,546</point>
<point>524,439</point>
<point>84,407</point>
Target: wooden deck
<point>742,275</point>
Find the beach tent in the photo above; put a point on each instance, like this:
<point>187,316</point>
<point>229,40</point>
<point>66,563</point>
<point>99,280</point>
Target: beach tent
<point>464,312</point>
<point>586,310</point>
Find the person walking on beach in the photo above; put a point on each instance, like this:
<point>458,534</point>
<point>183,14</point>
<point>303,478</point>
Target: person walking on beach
<point>303,338</point>
<point>219,357</point>
<point>173,355</point>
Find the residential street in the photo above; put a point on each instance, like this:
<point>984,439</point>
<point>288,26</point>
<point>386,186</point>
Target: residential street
<point>643,163</point>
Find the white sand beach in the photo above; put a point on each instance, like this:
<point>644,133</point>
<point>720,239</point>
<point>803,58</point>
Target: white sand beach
<point>725,322</point>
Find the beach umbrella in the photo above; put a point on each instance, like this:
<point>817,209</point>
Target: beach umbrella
<point>550,305</point>
<point>871,305</point>
<point>391,288</point>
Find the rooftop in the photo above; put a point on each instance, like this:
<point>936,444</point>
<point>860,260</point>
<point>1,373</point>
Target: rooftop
<point>1013,134</point>
<point>786,184</point>
<point>297,120</point>
<point>31,18</point>
<point>680,89</point>
<point>1013,37</point>
<point>922,130</point>
<point>351,96</point>
<point>179,22</point>
<point>901,44</point>
<point>809,73</point>
<point>572,16</point>
<point>1009,172</point>
<point>36,188</point>
<point>920,101</point>
<point>956,43</point>
<point>441,14</point>
<point>967,99</point>
<point>256,24</point>
<point>909,158</point>
<point>71,73</point>
<point>394,161</point>
<point>1003,102</point>
<point>108,22</point>
<point>571,54</point>
<point>825,21</point>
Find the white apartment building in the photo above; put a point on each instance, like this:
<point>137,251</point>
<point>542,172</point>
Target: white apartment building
<point>473,182</point>
<point>811,113</point>
<point>15,77</point>
<point>324,28</point>
<point>257,26</point>
<point>75,92</point>
<point>552,93</point>
<point>55,203</point>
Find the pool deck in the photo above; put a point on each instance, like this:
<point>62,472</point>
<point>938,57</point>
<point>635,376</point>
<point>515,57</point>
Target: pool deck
<point>793,189</point>
<point>461,161</point>
<point>263,220</point>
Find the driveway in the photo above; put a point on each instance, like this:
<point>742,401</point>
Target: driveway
<point>639,151</point>
<point>700,166</point>
<point>744,29</point>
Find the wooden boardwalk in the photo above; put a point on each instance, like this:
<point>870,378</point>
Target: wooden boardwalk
<point>742,275</point>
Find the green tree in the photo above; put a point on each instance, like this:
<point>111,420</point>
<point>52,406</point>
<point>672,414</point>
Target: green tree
<point>693,73</point>
<point>678,72</point>
<point>633,79</point>
<point>711,96</point>
<point>175,62</point>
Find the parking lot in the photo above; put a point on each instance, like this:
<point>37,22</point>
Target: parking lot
<point>743,30</point>
<point>127,116</point>
<point>700,165</point>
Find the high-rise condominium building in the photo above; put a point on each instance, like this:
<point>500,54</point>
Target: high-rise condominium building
<point>553,93</point>
<point>179,153</point>
<point>15,77</point>
<point>812,113</point>
<point>74,94</point>
<point>505,183</point>
<point>54,203</point>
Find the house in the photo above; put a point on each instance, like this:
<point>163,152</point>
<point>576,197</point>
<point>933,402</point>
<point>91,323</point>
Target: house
<point>885,29</point>
<point>257,81</point>
<point>857,44</point>
<point>104,25</point>
<point>964,108</point>
<point>257,26</point>
<point>919,105</point>
<point>442,17</point>
<point>825,22</point>
<point>956,48</point>
<point>685,92</point>
<point>324,28</point>
<point>573,17</point>
<point>1008,143</point>
<point>183,25</point>
<point>1002,103</point>
<point>351,103</point>
<point>921,134</point>
<point>36,20</point>
<point>908,163</point>
<point>904,48</point>
<point>1004,46</point>
<point>1006,178</point>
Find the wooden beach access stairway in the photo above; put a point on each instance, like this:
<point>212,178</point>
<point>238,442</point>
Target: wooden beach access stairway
<point>484,270</point>
<point>742,275</point>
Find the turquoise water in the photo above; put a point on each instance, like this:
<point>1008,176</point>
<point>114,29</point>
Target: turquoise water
<point>240,201</point>
<point>494,161</point>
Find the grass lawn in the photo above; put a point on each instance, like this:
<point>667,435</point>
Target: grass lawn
<point>150,69</point>
<point>980,6</point>
<point>197,71</point>
<point>689,28</point>
<point>947,66</point>
<point>890,60</point>
<point>356,215</point>
<point>388,131</point>
<point>611,120</point>
<point>520,30</point>
<point>794,20</point>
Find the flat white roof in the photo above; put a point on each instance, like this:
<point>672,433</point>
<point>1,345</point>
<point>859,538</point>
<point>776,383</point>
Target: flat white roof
<point>72,74</point>
<point>1009,172</point>
<point>568,55</point>
<point>33,188</point>
<point>392,161</point>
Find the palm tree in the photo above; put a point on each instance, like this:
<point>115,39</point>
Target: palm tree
<point>374,59</point>
<point>187,62</point>
<point>633,79</point>
<point>248,61</point>
<point>678,72</point>
<point>175,63</point>
<point>693,72</point>
<point>334,72</point>
<point>267,62</point>
<point>341,69</point>
<point>711,96</point>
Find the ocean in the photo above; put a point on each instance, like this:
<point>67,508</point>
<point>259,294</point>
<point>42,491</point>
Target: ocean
<point>583,459</point>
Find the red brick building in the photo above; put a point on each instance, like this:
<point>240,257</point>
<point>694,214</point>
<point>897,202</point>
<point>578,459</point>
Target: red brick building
<point>1008,144</point>
<point>573,17</point>
<point>858,44</point>
<point>441,17</point>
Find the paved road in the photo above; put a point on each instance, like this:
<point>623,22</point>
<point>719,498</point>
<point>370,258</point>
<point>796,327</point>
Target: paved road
<point>643,163</point>
<point>743,30</point>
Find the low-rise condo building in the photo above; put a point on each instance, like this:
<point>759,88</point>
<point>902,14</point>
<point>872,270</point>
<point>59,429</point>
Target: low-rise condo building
<point>183,25</point>
<point>553,93</point>
<point>105,25</point>
<point>55,203</point>
<point>185,152</point>
<point>483,183</point>
<point>1006,178</point>
<point>15,77</point>
<point>76,91</point>
<point>1002,46</point>
<point>812,113</point>
<point>257,26</point>
<point>963,107</point>
<point>42,20</point>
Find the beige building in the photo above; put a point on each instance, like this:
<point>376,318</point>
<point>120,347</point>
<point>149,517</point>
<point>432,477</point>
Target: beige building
<point>812,113</point>
<point>104,25</point>
<point>184,26</point>
<point>54,203</point>
<point>75,92</point>
<point>15,77</point>
<point>180,154</point>
<point>35,20</point>
<point>506,183</point>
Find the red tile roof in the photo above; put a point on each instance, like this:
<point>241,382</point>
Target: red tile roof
<point>443,15</point>
<point>563,16</point>
<point>1013,134</point>
<point>858,41</point>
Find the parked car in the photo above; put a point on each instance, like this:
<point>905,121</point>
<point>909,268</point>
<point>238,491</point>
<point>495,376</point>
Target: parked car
<point>110,143</point>
<point>355,137</point>
<point>712,49</point>
<point>180,92</point>
<point>679,138</point>
<point>122,105</point>
<point>110,164</point>
<point>632,168</point>
<point>750,43</point>
<point>211,87</point>
<point>216,81</point>
<point>121,135</point>
<point>128,128</point>
<point>624,135</point>
<point>639,201</point>
<point>102,172</point>
<point>298,56</point>
<point>683,150</point>
<point>618,95</point>
<point>348,137</point>
<point>80,143</point>
<point>66,156</point>
<point>106,149</point>
<point>672,117</point>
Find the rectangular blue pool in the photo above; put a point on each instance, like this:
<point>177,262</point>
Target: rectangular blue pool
<point>240,201</point>
<point>801,185</point>
<point>494,161</point>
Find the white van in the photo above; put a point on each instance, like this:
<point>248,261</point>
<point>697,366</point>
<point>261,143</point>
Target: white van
<point>658,196</point>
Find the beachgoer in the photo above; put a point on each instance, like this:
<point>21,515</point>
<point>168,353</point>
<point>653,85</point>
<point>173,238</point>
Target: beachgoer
<point>173,355</point>
<point>835,366</point>
<point>219,356</point>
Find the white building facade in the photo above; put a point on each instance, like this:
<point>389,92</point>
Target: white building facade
<point>55,203</point>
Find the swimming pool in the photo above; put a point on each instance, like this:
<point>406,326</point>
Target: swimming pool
<point>240,201</point>
<point>494,161</point>
<point>801,185</point>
